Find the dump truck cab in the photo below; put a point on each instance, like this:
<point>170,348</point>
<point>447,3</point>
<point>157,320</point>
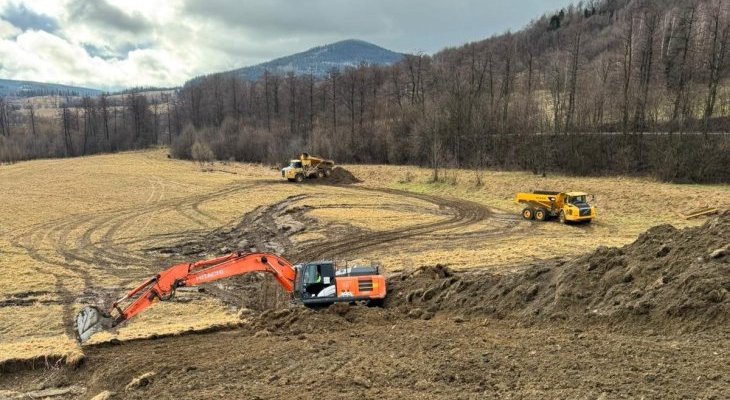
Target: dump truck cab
<point>577,208</point>
<point>566,206</point>
<point>321,283</point>
<point>293,170</point>
<point>307,166</point>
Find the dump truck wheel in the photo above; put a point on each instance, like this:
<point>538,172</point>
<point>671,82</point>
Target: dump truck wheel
<point>528,214</point>
<point>562,218</point>
<point>299,178</point>
<point>320,174</point>
<point>327,172</point>
<point>540,214</point>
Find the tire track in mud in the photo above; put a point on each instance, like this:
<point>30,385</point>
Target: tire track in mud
<point>259,227</point>
<point>510,225</point>
<point>111,254</point>
<point>71,237</point>
<point>65,247</point>
<point>262,228</point>
<point>464,213</point>
<point>62,289</point>
<point>67,242</point>
<point>81,244</point>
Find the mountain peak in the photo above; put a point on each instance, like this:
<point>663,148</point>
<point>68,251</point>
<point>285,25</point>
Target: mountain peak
<point>353,42</point>
<point>321,59</point>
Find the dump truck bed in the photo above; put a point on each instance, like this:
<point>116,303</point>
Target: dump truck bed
<point>315,161</point>
<point>538,198</point>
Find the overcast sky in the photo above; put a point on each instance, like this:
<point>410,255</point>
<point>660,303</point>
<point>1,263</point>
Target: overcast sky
<point>111,44</point>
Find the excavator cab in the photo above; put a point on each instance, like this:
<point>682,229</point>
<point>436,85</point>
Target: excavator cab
<point>321,283</point>
<point>312,280</point>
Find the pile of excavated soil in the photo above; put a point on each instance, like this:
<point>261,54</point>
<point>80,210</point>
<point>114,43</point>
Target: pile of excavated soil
<point>300,319</point>
<point>667,278</point>
<point>341,176</point>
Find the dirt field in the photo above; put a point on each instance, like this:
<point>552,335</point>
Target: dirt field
<point>82,231</point>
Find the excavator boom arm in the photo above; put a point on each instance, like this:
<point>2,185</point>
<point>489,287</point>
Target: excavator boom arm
<point>162,286</point>
<point>237,264</point>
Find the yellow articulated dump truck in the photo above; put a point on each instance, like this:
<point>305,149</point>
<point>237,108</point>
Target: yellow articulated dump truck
<point>307,166</point>
<point>566,206</point>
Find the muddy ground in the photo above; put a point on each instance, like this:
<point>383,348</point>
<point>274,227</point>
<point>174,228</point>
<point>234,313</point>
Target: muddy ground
<point>381,354</point>
<point>649,320</point>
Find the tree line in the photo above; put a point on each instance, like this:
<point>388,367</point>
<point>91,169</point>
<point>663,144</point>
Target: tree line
<point>606,87</point>
<point>80,126</point>
<point>602,87</point>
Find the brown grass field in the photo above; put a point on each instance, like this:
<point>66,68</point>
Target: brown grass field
<point>75,230</point>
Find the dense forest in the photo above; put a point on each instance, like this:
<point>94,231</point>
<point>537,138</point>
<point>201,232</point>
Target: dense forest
<point>603,87</point>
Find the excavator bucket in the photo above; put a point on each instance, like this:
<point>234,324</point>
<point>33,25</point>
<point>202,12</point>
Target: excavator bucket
<point>90,321</point>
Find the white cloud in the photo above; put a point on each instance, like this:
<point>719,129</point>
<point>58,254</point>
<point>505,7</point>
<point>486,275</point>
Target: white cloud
<point>37,54</point>
<point>116,44</point>
<point>7,30</point>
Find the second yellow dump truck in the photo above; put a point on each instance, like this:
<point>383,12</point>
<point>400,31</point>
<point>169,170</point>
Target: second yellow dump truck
<point>566,206</point>
<point>307,166</point>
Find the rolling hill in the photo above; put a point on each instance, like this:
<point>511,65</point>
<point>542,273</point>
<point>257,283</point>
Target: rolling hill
<point>9,87</point>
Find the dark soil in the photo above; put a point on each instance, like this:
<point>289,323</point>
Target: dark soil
<point>649,320</point>
<point>341,176</point>
<point>676,280</point>
<point>353,351</point>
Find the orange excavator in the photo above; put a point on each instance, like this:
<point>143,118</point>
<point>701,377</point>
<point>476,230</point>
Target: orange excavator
<point>312,284</point>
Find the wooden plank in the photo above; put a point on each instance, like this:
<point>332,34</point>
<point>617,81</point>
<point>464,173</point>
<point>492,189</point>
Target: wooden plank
<point>699,213</point>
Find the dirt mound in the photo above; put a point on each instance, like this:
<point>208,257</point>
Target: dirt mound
<point>667,278</point>
<point>341,176</point>
<point>297,319</point>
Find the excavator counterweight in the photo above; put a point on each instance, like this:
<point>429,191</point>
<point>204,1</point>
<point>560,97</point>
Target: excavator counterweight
<point>310,284</point>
